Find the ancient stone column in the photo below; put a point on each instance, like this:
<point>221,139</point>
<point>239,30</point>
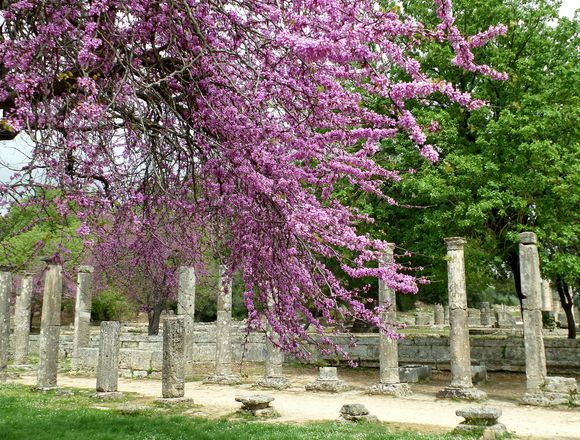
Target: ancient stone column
<point>83,304</point>
<point>108,364</point>
<point>273,375</point>
<point>439,314</point>
<point>460,356</point>
<point>223,373</point>
<point>446,315</point>
<point>186,307</point>
<point>485,311</point>
<point>531,284</point>
<point>173,372</point>
<point>5,292</point>
<point>389,382</point>
<point>22,319</point>
<point>49,327</point>
<point>547,305</point>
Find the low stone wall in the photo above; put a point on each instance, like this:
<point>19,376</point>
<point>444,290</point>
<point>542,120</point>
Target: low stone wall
<point>141,355</point>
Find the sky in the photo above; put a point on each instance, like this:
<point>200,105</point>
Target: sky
<point>13,153</point>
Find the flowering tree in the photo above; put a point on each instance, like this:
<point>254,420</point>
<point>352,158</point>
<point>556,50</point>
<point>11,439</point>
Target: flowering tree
<point>235,119</point>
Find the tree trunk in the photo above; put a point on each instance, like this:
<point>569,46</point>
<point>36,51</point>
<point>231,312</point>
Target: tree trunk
<point>567,304</point>
<point>154,315</point>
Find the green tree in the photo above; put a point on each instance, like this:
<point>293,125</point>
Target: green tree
<point>508,167</point>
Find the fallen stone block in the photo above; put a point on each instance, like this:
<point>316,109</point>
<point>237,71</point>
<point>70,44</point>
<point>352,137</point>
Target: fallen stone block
<point>356,412</point>
<point>483,421</point>
<point>258,405</point>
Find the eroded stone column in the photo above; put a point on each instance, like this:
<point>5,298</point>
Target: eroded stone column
<point>547,305</point>
<point>83,304</point>
<point>485,311</point>
<point>439,315</point>
<point>49,327</point>
<point>389,382</point>
<point>223,374</point>
<point>531,284</point>
<point>173,372</point>
<point>108,364</point>
<point>5,292</point>
<point>186,308</point>
<point>460,354</point>
<point>273,374</point>
<point>22,319</point>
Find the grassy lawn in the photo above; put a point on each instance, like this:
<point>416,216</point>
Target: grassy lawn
<point>25,414</point>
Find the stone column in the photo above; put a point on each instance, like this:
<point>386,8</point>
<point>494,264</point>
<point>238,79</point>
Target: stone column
<point>531,283</point>
<point>547,305</point>
<point>49,327</point>
<point>389,382</point>
<point>108,364</point>
<point>186,307</point>
<point>5,293</point>
<point>83,304</point>
<point>273,375</point>
<point>446,315</point>
<point>223,374</point>
<point>460,354</point>
<point>22,319</point>
<point>485,311</point>
<point>173,373</point>
<point>439,314</point>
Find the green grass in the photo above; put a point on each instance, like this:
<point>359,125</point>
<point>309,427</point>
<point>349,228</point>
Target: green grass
<point>25,414</point>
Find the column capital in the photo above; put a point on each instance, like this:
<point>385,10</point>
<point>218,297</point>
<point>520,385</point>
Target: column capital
<point>528,238</point>
<point>454,243</point>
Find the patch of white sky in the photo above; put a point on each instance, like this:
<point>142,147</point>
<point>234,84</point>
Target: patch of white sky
<point>15,154</point>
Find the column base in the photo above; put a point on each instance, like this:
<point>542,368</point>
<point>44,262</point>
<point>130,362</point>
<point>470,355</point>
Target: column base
<point>329,386</point>
<point>273,382</point>
<point>497,431</point>
<point>390,389</point>
<point>171,401</point>
<point>470,393</point>
<point>107,395</point>
<point>223,379</point>
<point>554,391</point>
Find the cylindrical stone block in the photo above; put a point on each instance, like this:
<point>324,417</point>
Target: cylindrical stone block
<point>547,305</point>
<point>186,307</point>
<point>274,357</point>
<point>224,300</point>
<point>5,293</point>
<point>173,373</point>
<point>83,305</point>
<point>458,333</point>
<point>22,319</point>
<point>388,348</point>
<point>531,285</point>
<point>48,344</point>
<point>446,315</point>
<point>485,311</point>
<point>439,314</point>
<point>223,344</point>
<point>108,364</point>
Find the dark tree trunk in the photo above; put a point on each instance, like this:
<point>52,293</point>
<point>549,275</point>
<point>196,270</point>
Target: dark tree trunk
<point>567,304</point>
<point>514,263</point>
<point>154,315</point>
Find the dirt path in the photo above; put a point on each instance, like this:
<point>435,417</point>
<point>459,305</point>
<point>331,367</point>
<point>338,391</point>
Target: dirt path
<point>421,411</point>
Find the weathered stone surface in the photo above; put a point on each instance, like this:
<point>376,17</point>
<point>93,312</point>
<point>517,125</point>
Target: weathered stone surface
<point>547,399</point>
<point>493,432</point>
<point>83,303</point>
<point>49,328</point>
<point>531,285</point>
<point>356,412</point>
<point>473,317</point>
<point>504,319</point>
<point>5,293</point>
<point>439,314</point>
<point>108,366</point>
<point>446,314</point>
<point>327,381</point>
<point>423,319</point>
<point>275,383</point>
<point>480,415</point>
<point>390,389</point>
<point>485,313</point>
<point>471,393</point>
<point>556,384</point>
<point>173,374</point>
<point>354,409</point>
<point>258,405</point>
<point>186,307</point>
<point>22,319</point>
<point>414,373</point>
<point>223,379</point>
<point>478,373</point>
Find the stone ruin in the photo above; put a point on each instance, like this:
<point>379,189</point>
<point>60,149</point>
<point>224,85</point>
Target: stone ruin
<point>483,421</point>
<point>356,412</point>
<point>327,381</point>
<point>257,405</point>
